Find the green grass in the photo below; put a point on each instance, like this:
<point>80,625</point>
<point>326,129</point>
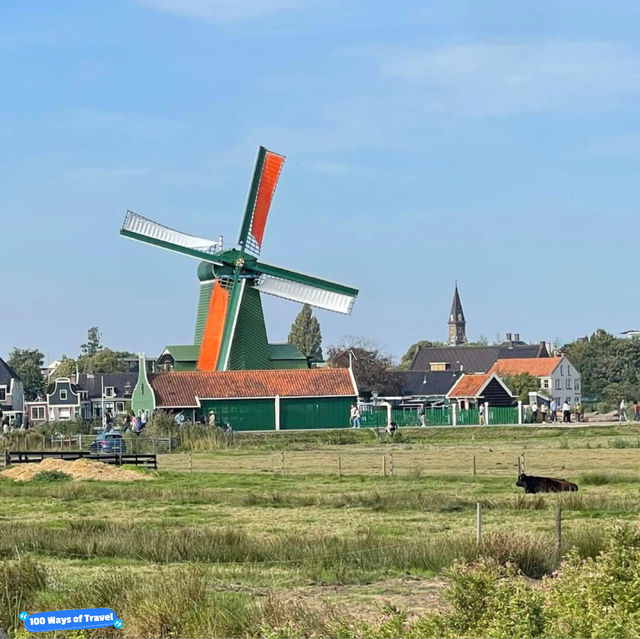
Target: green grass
<point>260,541</point>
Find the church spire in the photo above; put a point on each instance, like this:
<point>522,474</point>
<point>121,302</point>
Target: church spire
<point>457,323</point>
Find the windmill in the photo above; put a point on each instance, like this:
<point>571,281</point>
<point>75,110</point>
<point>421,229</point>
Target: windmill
<point>230,328</point>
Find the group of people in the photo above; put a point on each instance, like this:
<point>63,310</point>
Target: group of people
<point>622,412</point>
<point>137,423</point>
<point>549,413</point>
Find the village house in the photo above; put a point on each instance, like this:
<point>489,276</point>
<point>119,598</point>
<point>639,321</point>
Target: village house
<point>557,376</point>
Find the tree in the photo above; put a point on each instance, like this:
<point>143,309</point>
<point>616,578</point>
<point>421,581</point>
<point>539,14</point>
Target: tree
<point>306,336</point>
<point>93,344</point>
<point>407,358</point>
<point>27,363</point>
<point>372,369</point>
<point>521,384</point>
<point>67,368</point>
<point>603,361</point>
<point>104,361</point>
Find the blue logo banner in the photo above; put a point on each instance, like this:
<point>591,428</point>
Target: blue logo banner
<point>70,619</point>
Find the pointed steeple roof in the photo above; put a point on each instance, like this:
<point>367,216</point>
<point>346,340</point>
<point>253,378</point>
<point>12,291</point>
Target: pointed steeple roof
<point>457,314</point>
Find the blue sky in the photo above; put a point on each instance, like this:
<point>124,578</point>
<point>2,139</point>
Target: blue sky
<point>493,142</point>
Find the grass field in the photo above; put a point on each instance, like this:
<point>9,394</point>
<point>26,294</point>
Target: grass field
<point>275,550</point>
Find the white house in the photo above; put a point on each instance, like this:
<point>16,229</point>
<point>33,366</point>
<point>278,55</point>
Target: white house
<point>557,376</point>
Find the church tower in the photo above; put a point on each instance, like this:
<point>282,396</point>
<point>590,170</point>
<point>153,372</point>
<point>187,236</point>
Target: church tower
<point>457,323</point>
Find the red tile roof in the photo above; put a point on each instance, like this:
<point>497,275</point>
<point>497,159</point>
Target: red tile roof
<point>469,385</point>
<point>537,366</point>
<point>180,389</point>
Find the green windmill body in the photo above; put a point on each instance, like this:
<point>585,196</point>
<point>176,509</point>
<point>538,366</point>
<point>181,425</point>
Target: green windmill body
<point>230,332</point>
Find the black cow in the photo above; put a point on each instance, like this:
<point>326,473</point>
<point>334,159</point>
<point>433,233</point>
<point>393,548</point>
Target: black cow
<point>533,484</point>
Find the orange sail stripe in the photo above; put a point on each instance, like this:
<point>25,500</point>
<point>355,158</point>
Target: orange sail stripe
<point>268,180</point>
<point>212,338</point>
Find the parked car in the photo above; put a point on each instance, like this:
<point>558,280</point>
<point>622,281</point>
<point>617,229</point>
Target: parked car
<point>109,443</point>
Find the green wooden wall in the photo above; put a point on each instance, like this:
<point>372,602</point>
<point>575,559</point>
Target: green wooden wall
<point>295,414</point>
<point>243,414</point>
<point>315,412</point>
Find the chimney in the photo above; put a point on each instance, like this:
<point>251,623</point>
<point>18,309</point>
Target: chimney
<point>508,337</point>
<point>516,337</point>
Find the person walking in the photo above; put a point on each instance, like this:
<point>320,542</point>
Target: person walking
<point>623,411</point>
<point>566,412</point>
<point>422,416</point>
<point>355,416</point>
<point>636,411</point>
<point>534,413</point>
<point>554,410</point>
<point>212,419</point>
<point>543,412</point>
<point>481,415</point>
<point>144,418</point>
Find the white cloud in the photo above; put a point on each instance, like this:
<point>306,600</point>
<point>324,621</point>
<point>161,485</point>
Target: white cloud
<point>221,10</point>
<point>504,78</point>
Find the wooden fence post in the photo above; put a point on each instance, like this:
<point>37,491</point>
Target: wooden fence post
<point>478,523</point>
<point>339,466</point>
<point>474,465</point>
<point>519,467</point>
<point>282,462</point>
<point>558,535</point>
<point>523,464</point>
<point>391,464</point>
<point>190,461</point>
<point>384,465</point>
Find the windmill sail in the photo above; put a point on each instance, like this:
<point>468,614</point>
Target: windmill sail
<point>145,230</point>
<point>305,289</point>
<point>263,186</point>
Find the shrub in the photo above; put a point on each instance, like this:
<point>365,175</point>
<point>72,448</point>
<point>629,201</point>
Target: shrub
<point>51,475</point>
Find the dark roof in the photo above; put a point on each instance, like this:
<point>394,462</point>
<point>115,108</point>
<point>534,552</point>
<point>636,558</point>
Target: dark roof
<point>473,359</point>
<point>7,373</point>
<point>93,383</point>
<point>180,389</point>
<point>456,308</point>
<point>285,351</point>
<point>415,383</point>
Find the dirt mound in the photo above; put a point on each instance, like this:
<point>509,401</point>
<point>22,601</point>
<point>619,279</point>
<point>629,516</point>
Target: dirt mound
<point>78,469</point>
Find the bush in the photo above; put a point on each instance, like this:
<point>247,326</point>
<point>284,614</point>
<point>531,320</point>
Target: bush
<point>51,475</point>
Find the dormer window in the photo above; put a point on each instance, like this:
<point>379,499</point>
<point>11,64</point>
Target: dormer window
<point>3,393</point>
<point>63,395</point>
<point>108,391</point>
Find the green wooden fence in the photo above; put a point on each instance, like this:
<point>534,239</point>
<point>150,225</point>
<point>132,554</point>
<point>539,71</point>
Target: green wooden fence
<point>438,416</point>
<point>503,415</point>
<point>468,417</point>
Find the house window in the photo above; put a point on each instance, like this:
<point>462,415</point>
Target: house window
<point>3,393</point>
<point>84,394</point>
<point>569,384</point>
<point>545,383</point>
<point>119,407</point>
<point>64,414</point>
<point>558,384</point>
<point>569,371</point>
<point>37,413</point>
<point>63,395</point>
<point>569,401</point>
<point>576,384</point>
<point>108,391</point>
<point>561,373</point>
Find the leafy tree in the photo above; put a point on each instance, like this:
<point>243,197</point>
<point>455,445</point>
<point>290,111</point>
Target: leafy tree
<point>67,368</point>
<point>373,370</point>
<point>93,344</point>
<point>481,341</point>
<point>104,361</point>
<point>407,358</point>
<point>521,384</point>
<point>306,336</point>
<point>604,360</point>
<point>27,363</point>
